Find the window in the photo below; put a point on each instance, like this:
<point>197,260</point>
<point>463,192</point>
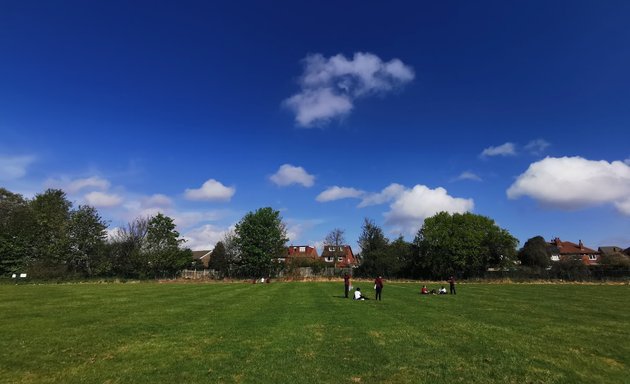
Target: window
<point>592,257</point>
<point>302,249</point>
<point>329,259</point>
<point>339,258</point>
<point>555,258</point>
<point>331,249</point>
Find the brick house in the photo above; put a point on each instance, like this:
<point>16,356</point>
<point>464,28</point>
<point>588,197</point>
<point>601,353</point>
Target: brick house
<point>202,257</point>
<point>340,256</point>
<point>562,250</point>
<point>305,251</point>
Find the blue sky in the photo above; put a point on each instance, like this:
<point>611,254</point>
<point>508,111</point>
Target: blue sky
<point>330,112</point>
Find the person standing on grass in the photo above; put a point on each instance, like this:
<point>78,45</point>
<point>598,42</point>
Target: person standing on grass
<point>346,284</point>
<point>451,283</point>
<point>378,285</point>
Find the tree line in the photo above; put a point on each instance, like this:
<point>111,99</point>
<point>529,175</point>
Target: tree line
<point>48,237</point>
<point>465,245</point>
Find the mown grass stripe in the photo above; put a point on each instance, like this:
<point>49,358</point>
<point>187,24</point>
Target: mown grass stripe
<point>309,333</point>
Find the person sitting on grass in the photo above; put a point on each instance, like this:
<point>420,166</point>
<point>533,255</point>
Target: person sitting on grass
<point>433,292</point>
<point>358,295</point>
<point>442,291</point>
<point>424,290</point>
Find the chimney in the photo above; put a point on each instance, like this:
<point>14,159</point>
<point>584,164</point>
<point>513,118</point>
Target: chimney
<point>581,245</point>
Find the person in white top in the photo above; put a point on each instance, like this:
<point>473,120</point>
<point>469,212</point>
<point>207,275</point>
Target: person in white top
<point>358,295</point>
<point>442,291</point>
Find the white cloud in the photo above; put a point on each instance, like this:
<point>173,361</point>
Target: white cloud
<point>337,193</point>
<point>211,190</point>
<point>204,237</point>
<point>623,206</point>
<point>318,106</point>
<point>149,206</point>
<point>507,149</point>
<point>467,175</point>
<point>575,182</point>
<point>73,186</point>
<point>288,174</point>
<point>627,161</point>
<point>389,193</point>
<point>329,86</point>
<point>297,227</point>
<point>111,232</point>
<point>103,200</point>
<point>158,200</point>
<point>536,147</point>
<point>14,167</point>
<point>188,219</point>
<point>409,210</point>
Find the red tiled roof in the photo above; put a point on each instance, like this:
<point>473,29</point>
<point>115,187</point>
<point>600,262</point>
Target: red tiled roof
<point>569,248</point>
<point>302,251</point>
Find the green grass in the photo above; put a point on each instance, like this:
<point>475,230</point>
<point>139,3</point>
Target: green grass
<point>308,333</point>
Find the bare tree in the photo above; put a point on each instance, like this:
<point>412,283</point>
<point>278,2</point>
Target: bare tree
<point>135,232</point>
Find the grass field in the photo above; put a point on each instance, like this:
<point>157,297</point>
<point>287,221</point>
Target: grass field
<point>308,333</point>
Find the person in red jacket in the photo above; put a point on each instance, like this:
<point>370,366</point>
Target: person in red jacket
<point>346,284</point>
<point>451,283</point>
<point>378,285</point>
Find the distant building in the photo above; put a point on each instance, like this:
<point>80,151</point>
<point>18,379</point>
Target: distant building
<point>202,257</point>
<point>340,256</point>
<point>304,251</point>
<point>563,250</point>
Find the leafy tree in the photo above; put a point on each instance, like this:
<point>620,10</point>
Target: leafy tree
<point>218,260</point>
<point>261,238</point>
<point>17,232</point>
<point>570,268</point>
<point>371,238</point>
<point>162,251</point>
<point>51,246</point>
<point>232,253</point>
<point>616,260</point>
<point>535,253</point>
<point>87,237</point>
<point>374,250</point>
<point>400,252</point>
<point>125,248</point>
<point>464,244</point>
